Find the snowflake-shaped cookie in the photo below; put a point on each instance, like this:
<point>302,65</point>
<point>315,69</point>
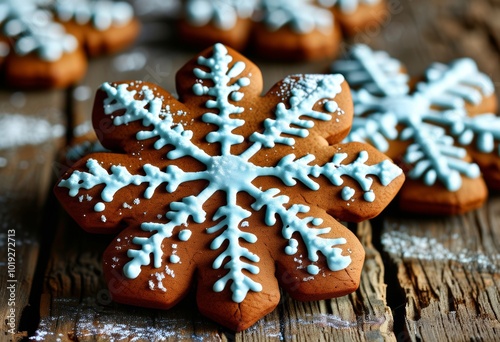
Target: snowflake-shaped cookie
<point>45,42</point>
<point>280,29</point>
<point>441,129</point>
<point>228,189</point>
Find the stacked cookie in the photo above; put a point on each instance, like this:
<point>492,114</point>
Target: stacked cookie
<point>279,29</point>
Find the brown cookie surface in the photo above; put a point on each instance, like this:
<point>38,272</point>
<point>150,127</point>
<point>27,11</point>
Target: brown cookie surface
<point>228,190</point>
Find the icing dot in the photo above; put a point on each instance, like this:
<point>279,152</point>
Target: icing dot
<point>244,81</point>
<point>312,269</point>
<point>184,234</point>
<point>236,96</point>
<point>331,106</point>
<point>99,207</point>
<point>174,259</point>
<point>317,221</point>
<point>369,196</point>
<point>198,89</point>
<point>291,249</point>
<point>238,296</point>
<point>347,193</point>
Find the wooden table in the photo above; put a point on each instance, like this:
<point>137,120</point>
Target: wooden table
<point>425,279</point>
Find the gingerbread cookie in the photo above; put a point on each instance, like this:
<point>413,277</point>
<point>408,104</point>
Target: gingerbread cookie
<point>227,190</point>
<point>49,41</point>
<point>295,30</point>
<point>441,129</point>
<point>279,29</point>
<point>356,16</point>
<point>102,27</point>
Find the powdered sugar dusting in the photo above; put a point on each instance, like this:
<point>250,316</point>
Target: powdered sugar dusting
<point>274,329</point>
<point>19,130</point>
<point>405,245</point>
<point>94,321</point>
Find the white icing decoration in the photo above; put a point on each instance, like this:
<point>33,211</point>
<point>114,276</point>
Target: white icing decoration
<point>291,249</point>
<point>312,269</point>
<point>347,6</point>
<point>99,207</point>
<point>33,29</point>
<point>229,173</point>
<point>369,196</point>
<point>303,16</point>
<point>347,193</point>
<point>222,13</point>
<point>102,14</point>
<point>331,106</point>
<point>184,234</point>
<point>174,259</point>
<point>382,102</point>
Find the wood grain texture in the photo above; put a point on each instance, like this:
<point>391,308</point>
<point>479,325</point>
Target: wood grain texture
<point>449,271</point>
<point>23,193</point>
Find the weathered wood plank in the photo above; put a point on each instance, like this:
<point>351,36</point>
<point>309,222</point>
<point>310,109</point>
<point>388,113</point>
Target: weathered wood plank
<point>31,131</point>
<point>449,271</point>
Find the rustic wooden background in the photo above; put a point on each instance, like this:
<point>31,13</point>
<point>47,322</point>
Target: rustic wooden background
<point>425,279</point>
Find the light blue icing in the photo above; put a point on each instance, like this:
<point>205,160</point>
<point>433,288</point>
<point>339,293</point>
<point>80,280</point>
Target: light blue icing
<point>185,235</point>
<point>347,193</point>
<point>382,102</point>
<point>451,86</point>
<point>222,13</point>
<point>375,71</point>
<point>34,30</point>
<point>291,249</point>
<point>230,173</point>
<point>369,196</point>
<point>313,269</point>
<point>223,94</point>
<point>174,259</point>
<point>347,6</point>
<point>102,14</point>
<point>99,207</point>
<point>303,16</point>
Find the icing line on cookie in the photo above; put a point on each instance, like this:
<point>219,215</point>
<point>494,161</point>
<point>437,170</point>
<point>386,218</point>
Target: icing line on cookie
<point>224,14</point>
<point>382,102</point>
<point>34,30</point>
<point>301,15</point>
<point>347,6</point>
<point>102,14</point>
